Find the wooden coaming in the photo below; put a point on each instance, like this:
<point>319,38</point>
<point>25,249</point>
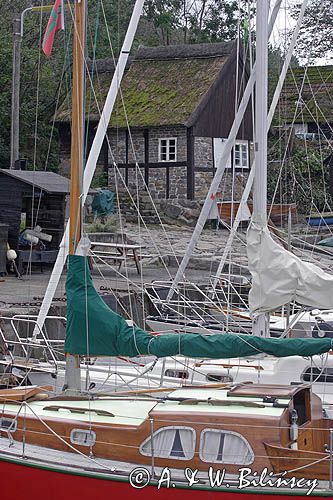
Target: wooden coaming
<point>122,442</point>
<point>268,435</point>
<point>298,463</point>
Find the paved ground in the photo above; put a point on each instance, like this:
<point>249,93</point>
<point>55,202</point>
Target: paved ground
<point>164,248</point>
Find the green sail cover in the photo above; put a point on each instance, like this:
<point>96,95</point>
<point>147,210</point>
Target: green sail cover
<point>94,329</point>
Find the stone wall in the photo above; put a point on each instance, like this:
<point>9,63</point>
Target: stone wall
<point>203,157</point>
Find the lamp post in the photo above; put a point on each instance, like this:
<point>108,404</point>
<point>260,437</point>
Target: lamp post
<point>18,24</point>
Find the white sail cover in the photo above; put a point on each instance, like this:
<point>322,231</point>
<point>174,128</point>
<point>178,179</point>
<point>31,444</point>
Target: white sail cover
<point>279,277</point>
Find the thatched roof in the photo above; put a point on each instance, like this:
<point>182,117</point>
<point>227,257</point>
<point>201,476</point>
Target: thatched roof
<point>308,95</point>
<point>163,85</point>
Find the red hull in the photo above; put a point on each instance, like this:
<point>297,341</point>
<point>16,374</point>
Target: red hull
<point>28,482</point>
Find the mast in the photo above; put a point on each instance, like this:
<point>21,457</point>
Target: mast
<point>91,161</point>
<point>259,216</point>
<point>73,376</point>
<point>214,187</point>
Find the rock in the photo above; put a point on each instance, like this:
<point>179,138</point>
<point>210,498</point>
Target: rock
<point>172,210</point>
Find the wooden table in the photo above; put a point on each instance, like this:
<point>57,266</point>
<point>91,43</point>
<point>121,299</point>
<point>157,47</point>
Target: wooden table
<point>122,251</point>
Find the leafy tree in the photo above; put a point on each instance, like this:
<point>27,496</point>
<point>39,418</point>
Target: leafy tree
<point>316,36</point>
<point>303,179</point>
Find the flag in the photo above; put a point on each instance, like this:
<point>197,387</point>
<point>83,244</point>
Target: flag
<point>56,23</point>
<point>246,30</point>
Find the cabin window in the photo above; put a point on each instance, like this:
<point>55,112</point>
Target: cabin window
<point>167,149</point>
<point>8,424</point>
<point>171,442</point>
<point>83,437</point>
<point>212,377</point>
<point>318,375</point>
<point>241,155</point>
<point>176,373</point>
<point>224,447</point>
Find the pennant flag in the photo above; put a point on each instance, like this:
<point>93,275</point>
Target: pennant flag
<point>56,23</point>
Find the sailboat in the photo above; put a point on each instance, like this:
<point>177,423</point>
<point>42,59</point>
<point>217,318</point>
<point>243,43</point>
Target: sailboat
<point>226,440</point>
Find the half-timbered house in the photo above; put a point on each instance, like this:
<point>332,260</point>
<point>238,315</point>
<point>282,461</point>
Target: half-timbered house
<point>175,112</point>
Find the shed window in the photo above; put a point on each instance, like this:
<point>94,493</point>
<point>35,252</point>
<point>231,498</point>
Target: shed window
<point>83,437</point>
<point>241,155</point>
<point>225,447</point>
<point>171,442</point>
<point>167,149</point>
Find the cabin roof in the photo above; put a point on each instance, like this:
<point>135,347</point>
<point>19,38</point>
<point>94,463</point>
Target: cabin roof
<point>307,96</point>
<point>47,181</point>
<point>125,411</point>
<point>163,85</point>
<point>207,397</point>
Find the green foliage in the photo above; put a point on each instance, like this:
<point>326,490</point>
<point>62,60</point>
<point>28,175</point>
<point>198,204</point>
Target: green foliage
<point>107,224</point>
<point>176,21</point>
<point>303,179</point>
<point>316,36</point>
<point>100,179</point>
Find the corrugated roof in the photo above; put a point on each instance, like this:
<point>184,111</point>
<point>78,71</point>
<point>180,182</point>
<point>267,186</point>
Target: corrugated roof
<point>163,86</point>
<point>309,93</point>
<point>47,181</point>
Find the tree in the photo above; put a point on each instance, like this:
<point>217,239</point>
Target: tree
<point>316,35</point>
<point>195,21</point>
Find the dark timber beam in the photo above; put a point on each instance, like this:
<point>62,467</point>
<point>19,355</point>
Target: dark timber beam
<point>146,139</point>
<point>190,164</point>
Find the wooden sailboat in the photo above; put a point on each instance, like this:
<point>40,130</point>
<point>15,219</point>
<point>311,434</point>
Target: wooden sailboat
<point>202,442</point>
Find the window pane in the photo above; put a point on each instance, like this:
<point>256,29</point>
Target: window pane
<point>225,447</point>
<point>177,448</point>
<point>171,442</point>
<point>82,437</point>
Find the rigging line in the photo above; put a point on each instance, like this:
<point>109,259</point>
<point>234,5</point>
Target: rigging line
<point>94,44</point>
<point>107,136</point>
<point>29,268</point>
<point>112,290</point>
<point>170,307</point>
<point>314,95</point>
<point>64,68</point>
<point>72,448</point>
<point>138,170</point>
<point>143,222</point>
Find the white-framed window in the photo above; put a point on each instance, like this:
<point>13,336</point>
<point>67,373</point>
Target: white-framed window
<point>83,437</point>
<point>312,374</point>
<point>171,442</point>
<point>241,155</point>
<point>224,447</point>
<point>167,149</point>
<point>176,373</point>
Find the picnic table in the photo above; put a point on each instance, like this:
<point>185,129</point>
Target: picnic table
<point>117,252</point>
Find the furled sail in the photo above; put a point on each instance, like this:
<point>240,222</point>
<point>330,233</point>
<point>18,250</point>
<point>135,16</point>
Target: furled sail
<point>94,329</point>
<point>279,277</point>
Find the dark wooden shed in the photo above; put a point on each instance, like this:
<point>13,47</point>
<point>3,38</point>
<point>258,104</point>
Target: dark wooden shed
<point>41,196</point>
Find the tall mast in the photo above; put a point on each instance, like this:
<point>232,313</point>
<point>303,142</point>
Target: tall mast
<point>73,376</point>
<point>259,216</point>
<point>260,179</point>
<point>77,142</point>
